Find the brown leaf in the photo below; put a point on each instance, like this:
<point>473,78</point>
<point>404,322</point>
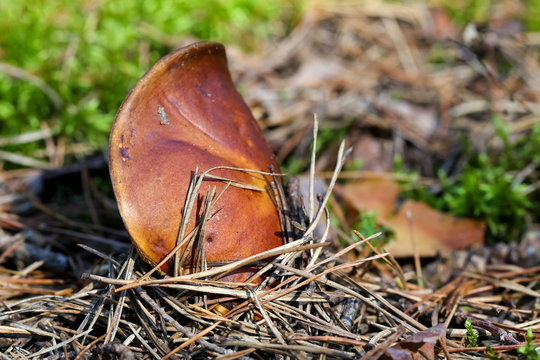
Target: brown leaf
<point>433,231</point>
<point>374,194</point>
<point>397,354</point>
<point>419,346</point>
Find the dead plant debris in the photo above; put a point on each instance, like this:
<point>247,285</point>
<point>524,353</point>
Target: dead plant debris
<point>71,289</point>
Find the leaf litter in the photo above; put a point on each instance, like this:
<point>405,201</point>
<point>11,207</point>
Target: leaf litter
<point>316,299</point>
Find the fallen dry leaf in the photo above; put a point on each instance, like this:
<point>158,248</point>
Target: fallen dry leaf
<point>418,346</point>
<point>374,194</point>
<point>432,231</point>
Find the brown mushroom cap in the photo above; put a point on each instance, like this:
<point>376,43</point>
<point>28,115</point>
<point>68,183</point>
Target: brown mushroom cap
<point>182,114</point>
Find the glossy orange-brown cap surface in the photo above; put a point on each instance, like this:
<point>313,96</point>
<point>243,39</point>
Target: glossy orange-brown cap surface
<point>182,114</point>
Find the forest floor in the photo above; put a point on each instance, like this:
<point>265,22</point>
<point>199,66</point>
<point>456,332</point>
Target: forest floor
<point>406,270</point>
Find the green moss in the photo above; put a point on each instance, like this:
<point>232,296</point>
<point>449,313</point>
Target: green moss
<point>463,12</point>
<point>92,52</point>
<point>532,15</point>
<point>529,350</point>
<point>493,187</point>
<point>472,336</point>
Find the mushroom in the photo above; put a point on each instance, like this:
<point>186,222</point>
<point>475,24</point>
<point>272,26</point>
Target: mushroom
<point>184,114</point>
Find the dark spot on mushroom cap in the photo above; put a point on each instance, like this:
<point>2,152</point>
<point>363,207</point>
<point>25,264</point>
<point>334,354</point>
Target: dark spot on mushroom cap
<point>203,91</point>
<point>124,153</point>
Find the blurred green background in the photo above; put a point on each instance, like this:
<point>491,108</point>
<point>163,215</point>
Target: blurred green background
<point>69,64</point>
